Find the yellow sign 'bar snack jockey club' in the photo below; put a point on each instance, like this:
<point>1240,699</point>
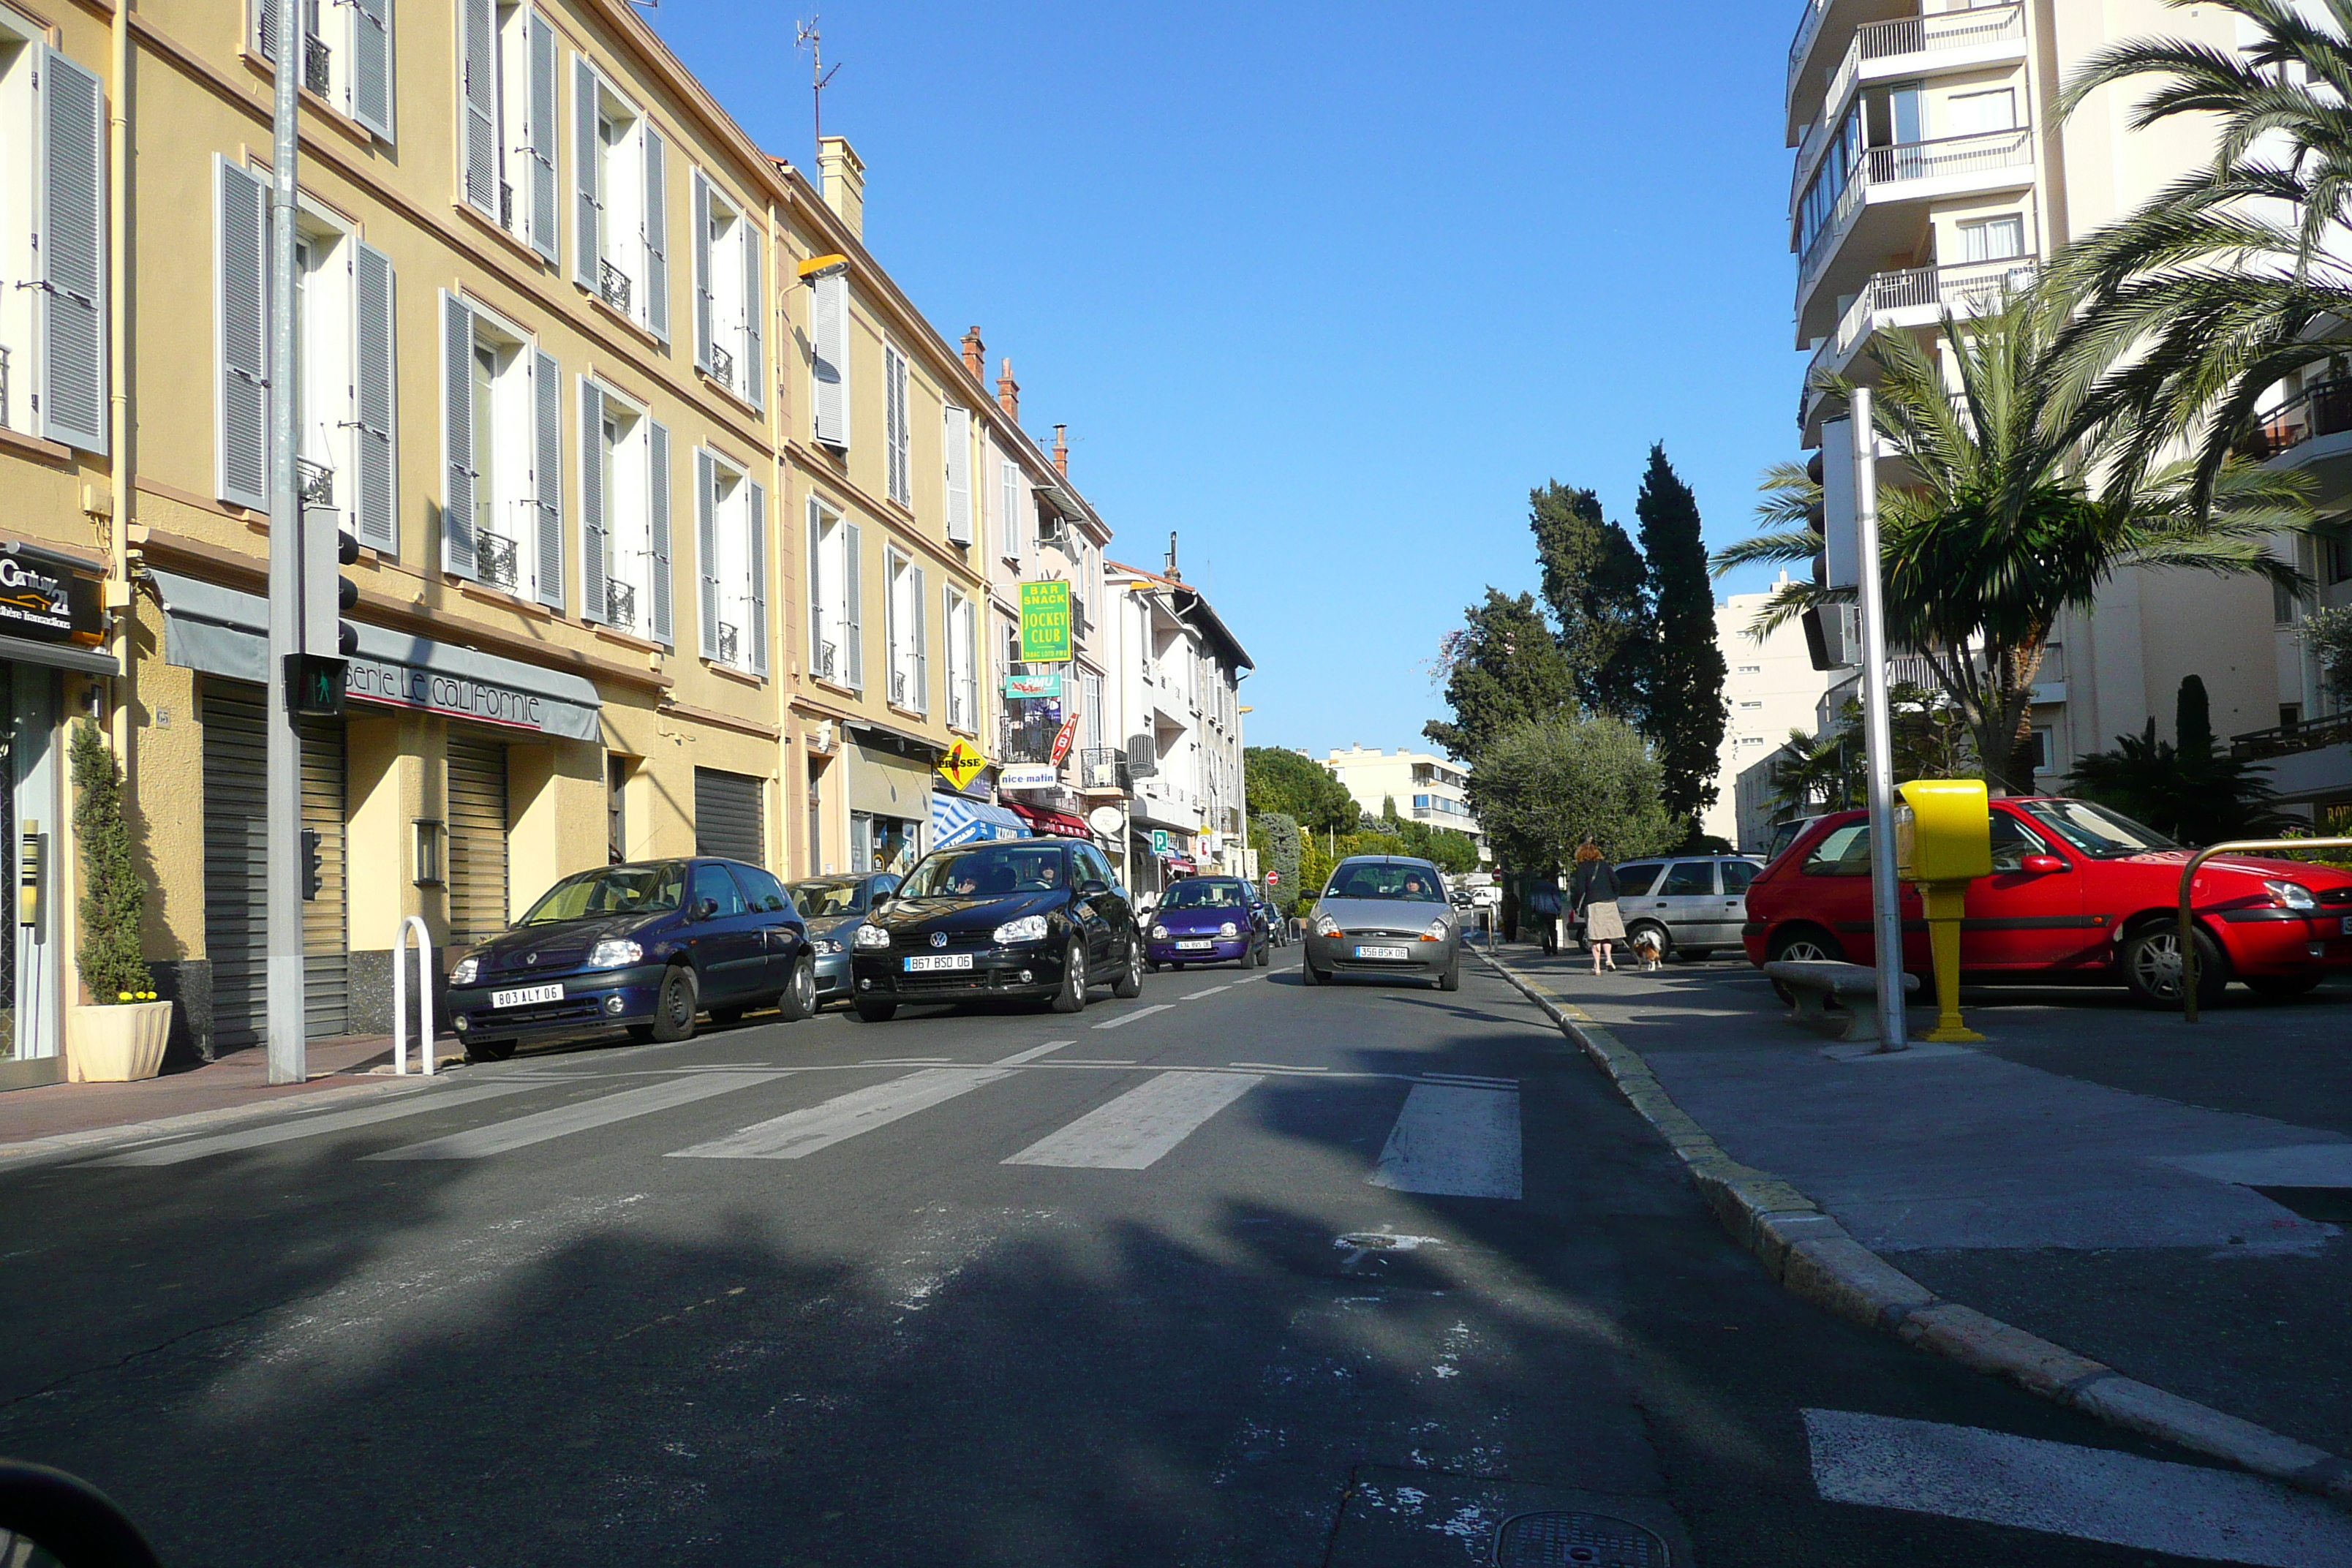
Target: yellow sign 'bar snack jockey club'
<point>1045,623</point>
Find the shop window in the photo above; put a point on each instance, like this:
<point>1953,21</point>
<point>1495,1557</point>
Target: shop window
<point>625,515</point>
<point>506,72</point>
<point>907,636</point>
<point>53,328</point>
<point>501,509</point>
<point>621,202</point>
<point>346,54</point>
<point>731,557</point>
<point>836,594</point>
<point>728,293</point>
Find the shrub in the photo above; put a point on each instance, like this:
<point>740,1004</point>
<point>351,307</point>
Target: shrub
<point>114,896</point>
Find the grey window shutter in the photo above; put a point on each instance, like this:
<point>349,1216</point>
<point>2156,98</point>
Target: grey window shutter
<point>372,65</point>
<point>759,595</point>
<point>970,655</point>
<point>658,619</point>
<point>706,548</point>
<point>547,476</point>
<point>593,605</point>
<point>954,684</point>
<point>853,598</point>
<point>830,321</point>
<point>69,255</point>
<point>587,170</point>
<point>478,68</point>
<point>456,435</point>
<point>241,324</point>
<point>656,232</point>
<point>544,137</point>
<point>755,308</point>
<point>375,513</point>
<point>893,657</point>
<point>922,608</point>
<point>816,597</point>
<point>956,433</point>
<point>702,271</point>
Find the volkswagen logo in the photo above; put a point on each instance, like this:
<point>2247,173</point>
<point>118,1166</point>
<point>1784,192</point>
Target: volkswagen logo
<point>939,939</point>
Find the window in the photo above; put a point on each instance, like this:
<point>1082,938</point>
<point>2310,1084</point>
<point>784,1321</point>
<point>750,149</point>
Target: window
<point>2012,842</point>
<point>1755,704</point>
<point>1974,113</point>
<point>501,506</point>
<point>1091,687</point>
<point>1752,669</point>
<point>963,660</point>
<point>907,635</point>
<point>2336,554</point>
<point>1012,525</point>
<point>1737,876</point>
<point>729,294</point>
<point>1635,879</point>
<point>346,55</point>
<point>1688,879</point>
<point>2045,748</point>
<point>505,75</point>
<point>625,515</point>
<point>621,202</point>
<point>53,326</point>
<point>955,437</point>
<point>730,513</point>
<point>714,888</point>
<point>894,426</point>
<point>1846,852</point>
<point>1993,239</point>
<point>836,596</point>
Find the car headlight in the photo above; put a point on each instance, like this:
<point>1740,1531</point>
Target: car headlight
<point>1229,929</point>
<point>1437,932</point>
<point>827,947</point>
<point>1326,926</point>
<point>613,952</point>
<point>2292,895</point>
<point>870,937</point>
<point>1159,933</point>
<point>467,968</point>
<point>1028,928</point>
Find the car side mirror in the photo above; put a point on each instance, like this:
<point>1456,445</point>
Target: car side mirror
<point>1094,888</point>
<point>2043,865</point>
<point>707,909</point>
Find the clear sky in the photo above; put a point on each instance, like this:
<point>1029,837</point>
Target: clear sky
<point>1326,289</point>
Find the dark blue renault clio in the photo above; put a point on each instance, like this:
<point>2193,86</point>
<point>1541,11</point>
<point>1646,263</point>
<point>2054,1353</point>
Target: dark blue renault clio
<point>647,946</point>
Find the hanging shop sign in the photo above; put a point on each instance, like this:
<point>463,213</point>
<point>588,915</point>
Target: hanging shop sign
<point>1045,623</point>
<point>962,765</point>
<point>1028,775</point>
<point>1063,736</point>
<point>1029,686</point>
<point>42,604</point>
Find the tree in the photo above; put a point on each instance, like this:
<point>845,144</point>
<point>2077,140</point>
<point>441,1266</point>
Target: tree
<point>1599,590</point>
<point>1828,772</point>
<point>1502,669</point>
<point>1297,788</point>
<point>1998,531</point>
<point>2328,635</point>
<point>1545,787</point>
<point>1687,715</point>
<point>2188,787</point>
<point>114,895</point>
<point>1279,848</point>
<point>1449,851</point>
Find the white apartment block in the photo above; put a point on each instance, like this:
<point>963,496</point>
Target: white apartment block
<point>1424,787</point>
<point>1770,687</point>
<point>1931,170</point>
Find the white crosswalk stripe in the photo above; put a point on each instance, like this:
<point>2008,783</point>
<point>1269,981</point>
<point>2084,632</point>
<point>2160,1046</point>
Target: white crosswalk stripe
<point>311,1126</point>
<point>1453,1140</point>
<point>1125,1018</point>
<point>1135,1131</point>
<point>564,1120</point>
<point>800,1133</point>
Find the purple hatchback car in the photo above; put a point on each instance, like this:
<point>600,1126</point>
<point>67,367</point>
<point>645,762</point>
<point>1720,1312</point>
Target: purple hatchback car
<point>1207,920</point>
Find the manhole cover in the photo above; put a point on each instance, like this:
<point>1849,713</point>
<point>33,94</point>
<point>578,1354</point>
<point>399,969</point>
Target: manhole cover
<point>1581,1540</point>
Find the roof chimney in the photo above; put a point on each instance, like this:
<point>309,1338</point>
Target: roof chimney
<point>1173,574</point>
<point>975,355</point>
<point>1062,450</point>
<point>844,182</point>
<point>1008,394</point>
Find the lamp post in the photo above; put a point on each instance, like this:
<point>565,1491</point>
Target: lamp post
<point>1878,732</point>
<point>282,920</point>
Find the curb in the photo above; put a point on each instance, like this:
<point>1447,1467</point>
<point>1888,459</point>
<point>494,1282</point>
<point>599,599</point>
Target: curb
<point>63,1148</point>
<point>1812,1255</point>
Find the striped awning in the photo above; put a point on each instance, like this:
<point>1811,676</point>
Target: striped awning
<point>956,819</point>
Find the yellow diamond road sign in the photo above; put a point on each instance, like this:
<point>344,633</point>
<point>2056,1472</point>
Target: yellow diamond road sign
<point>962,765</point>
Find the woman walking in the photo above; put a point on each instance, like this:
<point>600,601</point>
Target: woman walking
<point>1593,889</point>
<point>1543,903</point>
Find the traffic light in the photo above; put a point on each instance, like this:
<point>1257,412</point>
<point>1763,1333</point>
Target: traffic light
<point>314,865</point>
<point>316,677</point>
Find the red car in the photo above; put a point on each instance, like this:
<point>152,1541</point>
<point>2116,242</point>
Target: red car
<point>2076,891</point>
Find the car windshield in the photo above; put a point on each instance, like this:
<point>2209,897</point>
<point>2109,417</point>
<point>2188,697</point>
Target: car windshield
<point>986,871</point>
<point>1376,880</point>
<point>1201,893</point>
<point>2101,834</point>
<point>613,891</point>
<point>825,899</point>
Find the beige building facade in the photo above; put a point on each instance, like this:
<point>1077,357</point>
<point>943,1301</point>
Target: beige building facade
<point>1770,687</point>
<point>1424,787</point>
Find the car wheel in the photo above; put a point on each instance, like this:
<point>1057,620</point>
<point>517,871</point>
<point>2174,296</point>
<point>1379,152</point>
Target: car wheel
<point>2283,987</point>
<point>731,1014</point>
<point>2151,966</point>
<point>1151,969</point>
<point>680,1000</point>
<point>1800,944</point>
<point>799,1000</point>
<point>1665,942</point>
<point>1072,996</point>
<point>640,1033</point>
<point>1310,975</point>
<point>1452,979</point>
<point>1130,984</point>
<point>488,1050</point>
<point>876,1012</point>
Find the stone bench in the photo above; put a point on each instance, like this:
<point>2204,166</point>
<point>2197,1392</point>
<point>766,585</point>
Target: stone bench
<point>1812,984</point>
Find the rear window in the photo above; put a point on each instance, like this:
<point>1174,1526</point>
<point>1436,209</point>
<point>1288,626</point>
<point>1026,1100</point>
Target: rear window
<point>1846,852</point>
<point>1738,874</point>
<point>1637,878</point>
<point>1688,878</point>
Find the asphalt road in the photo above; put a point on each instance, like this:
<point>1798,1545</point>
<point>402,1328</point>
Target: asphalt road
<point>1240,1273</point>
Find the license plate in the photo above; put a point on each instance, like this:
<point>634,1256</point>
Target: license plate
<point>527,995</point>
<point>2347,925</point>
<point>933,965</point>
<point>1205,946</point>
<point>1387,953</point>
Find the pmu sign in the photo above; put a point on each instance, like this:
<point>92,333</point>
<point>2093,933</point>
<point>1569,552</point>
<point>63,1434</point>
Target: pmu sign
<point>1045,623</point>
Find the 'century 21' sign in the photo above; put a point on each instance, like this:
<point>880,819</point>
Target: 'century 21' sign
<point>1045,623</point>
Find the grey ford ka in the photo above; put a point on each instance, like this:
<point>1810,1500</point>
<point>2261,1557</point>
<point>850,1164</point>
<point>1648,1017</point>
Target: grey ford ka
<point>1386,915</point>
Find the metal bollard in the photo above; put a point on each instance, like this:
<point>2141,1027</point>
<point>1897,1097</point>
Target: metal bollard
<point>424,998</point>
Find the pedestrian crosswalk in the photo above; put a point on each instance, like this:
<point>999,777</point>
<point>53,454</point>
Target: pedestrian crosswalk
<point>1453,1137</point>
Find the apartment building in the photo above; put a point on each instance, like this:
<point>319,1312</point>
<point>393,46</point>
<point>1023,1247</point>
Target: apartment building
<point>1423,786</point>
<point>1931,171</point>
<point>1770,687</point>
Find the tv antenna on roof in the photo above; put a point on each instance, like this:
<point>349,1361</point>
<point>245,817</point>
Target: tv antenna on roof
<point>808,38</point>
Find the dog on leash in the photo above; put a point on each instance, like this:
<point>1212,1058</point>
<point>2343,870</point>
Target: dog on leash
<point>1647,949</point>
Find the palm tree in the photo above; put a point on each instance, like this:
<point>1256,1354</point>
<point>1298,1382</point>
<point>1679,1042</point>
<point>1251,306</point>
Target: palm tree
<point>1990,528</point>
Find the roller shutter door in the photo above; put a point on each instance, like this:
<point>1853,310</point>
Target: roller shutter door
<point>477,839</point>
<point>326,923</point>
<point>727,816</point>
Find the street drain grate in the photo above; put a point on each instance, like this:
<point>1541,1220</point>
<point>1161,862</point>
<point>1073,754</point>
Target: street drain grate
<point>1560,1540</point>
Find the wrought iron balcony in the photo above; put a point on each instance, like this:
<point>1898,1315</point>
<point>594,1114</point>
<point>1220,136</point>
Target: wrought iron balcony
<point>505,204</point>
<point>2287,739</point>
<point>1027,737</point>
<point>829,657</point>
<point>316,73</point>
<point>620,604</point>
<point>2323,408</point>
<point>1103,768</point>
<point>497,560</point>
<point>7,422</point>
<point>899,687</point>
<point>722,367</point>
<point>315,482</point>
<point>613,284</point>
<point>730,642</point>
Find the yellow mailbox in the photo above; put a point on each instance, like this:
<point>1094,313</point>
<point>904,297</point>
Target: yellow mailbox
<point>1943,841</point>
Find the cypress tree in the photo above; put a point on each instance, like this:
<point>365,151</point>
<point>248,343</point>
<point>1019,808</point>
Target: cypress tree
<point>1686,714</point>
<point>114,896</point>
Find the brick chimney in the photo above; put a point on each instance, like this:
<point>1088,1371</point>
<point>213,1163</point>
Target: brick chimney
<point>1062,450</point>
<point>1008,394</point>
<point>975,355</point>
<point>844,182</point>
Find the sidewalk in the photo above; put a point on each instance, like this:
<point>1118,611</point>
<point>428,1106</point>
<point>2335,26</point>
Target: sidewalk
<point>2162,1198</point>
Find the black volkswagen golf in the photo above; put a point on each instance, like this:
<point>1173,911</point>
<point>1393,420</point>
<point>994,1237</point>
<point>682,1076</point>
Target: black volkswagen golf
<point>1023,918</point>
<point>647,946</point>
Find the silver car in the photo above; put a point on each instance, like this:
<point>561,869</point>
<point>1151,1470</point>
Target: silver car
<point>834,907</point>
<point>1692,903</point>
<point>1383,914</point>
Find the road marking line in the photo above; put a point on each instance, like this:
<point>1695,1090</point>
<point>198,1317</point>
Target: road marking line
<point>309,1126</point>
<point>1453,1140</point>
<point>1212,991</point>
<point>1475,1080</point>
<point>2091,1494</point>
<point>564,1120</point>
<point>1133,1131</point>
<point>1093,1062</point>
<point>1033,1053</point>
<point>1250,981</point>
<point>1277,1066</point>
<point>2295,1166</point>
<point>908,1062</point>
<point>800,1133</point>
<point>1125,1019</point>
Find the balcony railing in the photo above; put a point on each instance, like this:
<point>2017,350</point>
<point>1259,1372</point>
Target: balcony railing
<point>620,604</point>
<point>7,420</point>
<point>1026,737</point>
<point>2324,408</point>
<point>828,658</point>
<point>1967,289</point>
<point>1890,40</point>
<point>730,643</point>
<point>317,72</point>
<point>1808,26</point>
<point>1103,768</point>
<point>899,687</point>
<point>2287,739</point>
<point>723,366</point>
<point>505,204</point>
<point>613,284</point>
<point>1985,152</point>
<point>497,560</point>
<point>316,484</point>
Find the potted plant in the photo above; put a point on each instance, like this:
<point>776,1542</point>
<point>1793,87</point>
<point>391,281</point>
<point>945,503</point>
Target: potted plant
<point>121,1035</point>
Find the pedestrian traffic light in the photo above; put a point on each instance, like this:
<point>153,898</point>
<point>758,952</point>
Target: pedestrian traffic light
<point>316,677</point>
<point>314,877</point>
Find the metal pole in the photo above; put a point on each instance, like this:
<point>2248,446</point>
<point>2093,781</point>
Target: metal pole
<point>289,1058</point>
<point>1878,732</point>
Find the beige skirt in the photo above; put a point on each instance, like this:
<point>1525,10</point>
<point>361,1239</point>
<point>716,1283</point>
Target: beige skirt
<point>1603,923</point>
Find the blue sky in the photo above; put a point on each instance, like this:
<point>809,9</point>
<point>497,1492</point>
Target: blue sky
<point>1326,289</point>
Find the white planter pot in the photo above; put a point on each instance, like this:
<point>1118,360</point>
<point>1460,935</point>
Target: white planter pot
<point>118,1044</point>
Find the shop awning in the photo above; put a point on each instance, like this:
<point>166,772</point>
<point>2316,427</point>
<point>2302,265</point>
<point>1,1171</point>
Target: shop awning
<point>1057,823</point>
<point>956,819</point>
<point>1181,866</point>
